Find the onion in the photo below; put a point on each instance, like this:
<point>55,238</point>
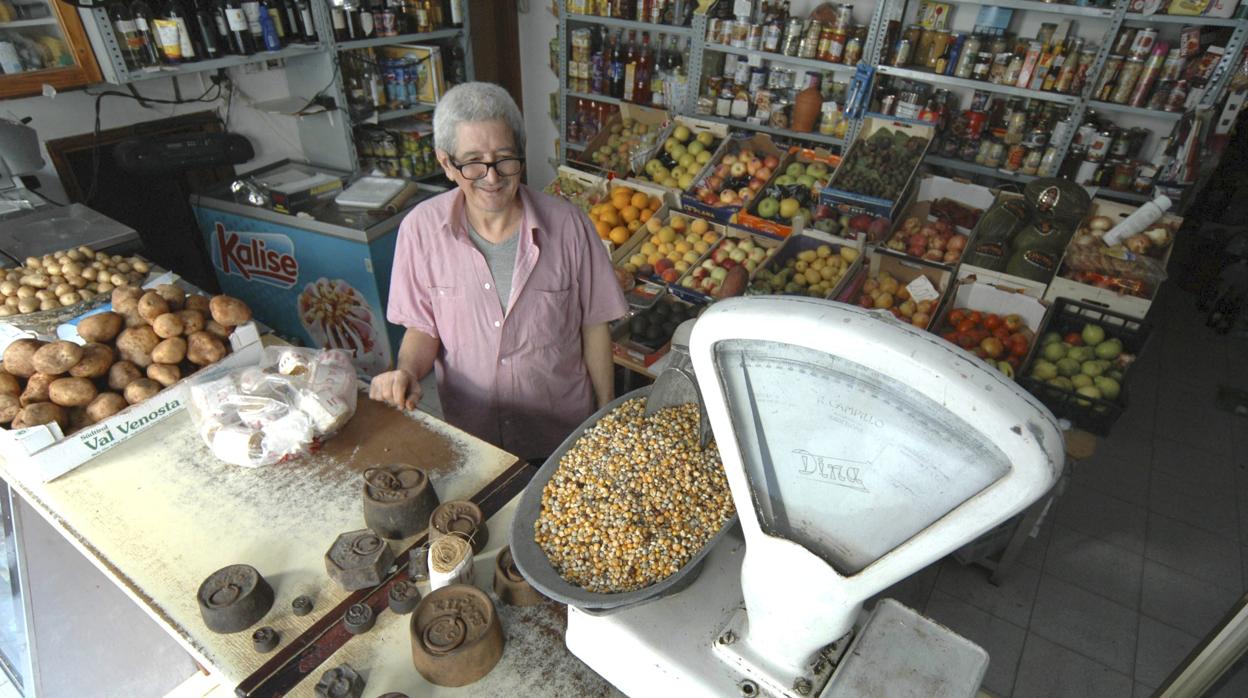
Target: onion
<point>1085,240</point>
<point>1138,244</point>
<point>956,243</point>
<point>1100,223</point>
<point>1160,237</point>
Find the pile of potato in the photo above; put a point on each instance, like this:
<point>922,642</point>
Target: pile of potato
<point>66,278</point>
<point>146,343</point>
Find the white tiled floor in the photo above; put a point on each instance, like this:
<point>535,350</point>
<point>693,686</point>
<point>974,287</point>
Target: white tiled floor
<point>1149,545</point>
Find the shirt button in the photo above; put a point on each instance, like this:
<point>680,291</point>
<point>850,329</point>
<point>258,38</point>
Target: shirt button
<point>503,362</point>
<point>487,287</point>
<point>497,323</point>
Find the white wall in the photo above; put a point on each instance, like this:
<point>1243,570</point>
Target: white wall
<point>71,113</point>
<point>537,26</point>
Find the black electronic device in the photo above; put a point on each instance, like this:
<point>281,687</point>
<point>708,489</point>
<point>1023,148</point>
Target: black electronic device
<point>145,155</point>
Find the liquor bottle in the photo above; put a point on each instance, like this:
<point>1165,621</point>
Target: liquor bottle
<point>338,20</point>
<point>241,40</point>
<point>455,12</point>
<point>142,14</point>
<point>367,20</point>
<point>268,32</point>
<point>271,8</point>
<point>128,37</point>
<point>404,19</point>
<point>205,29</point>
<point>630,67</point>
<point>216,10</point>
<point>676,67</point>
<point>307,29</point>
<point>658,75</point>
<point>290,20</point>
<point>641,77</point>
<point>191,49</point>
<point>616,70</point>
<point>251,10</point>
<point>598,63</point>
<point>169,39</point>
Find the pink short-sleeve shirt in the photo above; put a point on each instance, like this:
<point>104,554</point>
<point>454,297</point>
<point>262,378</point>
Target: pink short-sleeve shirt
<point>517,378</point>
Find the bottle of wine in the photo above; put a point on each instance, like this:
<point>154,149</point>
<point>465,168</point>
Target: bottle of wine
<point>204,28</point>
<point>242,41</point>
<point>338,17</point>
<point>142,14</point>
<point>217,9</point>
<point>368,21</point>
<point>455,12</point>
<point>274,9</point>
<point>128,37</point>
<point>306,28</point>
<point>268,32</point>
<point>191,50</point>
<point>251,9</point>
<point>290,20</point>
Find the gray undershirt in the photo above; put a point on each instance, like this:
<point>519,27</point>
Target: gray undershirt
<point>501,259</point>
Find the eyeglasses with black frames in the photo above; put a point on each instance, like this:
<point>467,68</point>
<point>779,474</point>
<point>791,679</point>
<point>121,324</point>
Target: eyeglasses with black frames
<point>505,167</point>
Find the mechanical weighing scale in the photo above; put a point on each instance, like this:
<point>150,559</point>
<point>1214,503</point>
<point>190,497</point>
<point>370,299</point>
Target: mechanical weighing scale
<point>858,450</point>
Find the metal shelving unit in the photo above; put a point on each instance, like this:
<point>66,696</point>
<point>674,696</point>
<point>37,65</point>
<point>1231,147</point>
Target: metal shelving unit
<point>1108,20</point>
<point>1138,111</point>
<point>593,97</point>
<point>400,39</point>
<point>395,114</point>
<point>808,63</point>
<point>936,79</point>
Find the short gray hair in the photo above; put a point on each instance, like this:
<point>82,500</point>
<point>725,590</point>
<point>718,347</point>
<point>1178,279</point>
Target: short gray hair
<point>475,102</point>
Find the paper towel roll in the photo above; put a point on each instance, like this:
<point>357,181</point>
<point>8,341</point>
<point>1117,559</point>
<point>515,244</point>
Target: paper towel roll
<point>450,562</point>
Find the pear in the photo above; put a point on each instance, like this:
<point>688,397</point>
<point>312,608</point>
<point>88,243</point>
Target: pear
<point>1044,370</point>
<point>1054,351</point>
<point>1093,334</point>
<point>1067,367</point>
<point>1109,387</point>
<point>1109,349</point>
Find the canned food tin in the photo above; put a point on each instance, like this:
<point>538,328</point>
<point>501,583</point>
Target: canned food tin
<point>1119,147</point>
<point>1014,158</point>
<point>713,29</point>
<point>1098,148</point>
<point>1172,68</point>
<point>1143,43</point>
<point>975,122</point>
<point>793,33</point>
<point>901,55</point>
<point>853,51</point>
<point>887,103</point>
<point>758,78</point>
<point>1122,44</point>
<point>772,34</point>
<point>1085,135</point>
<point>1036,138</point>
<point>1086,174</point>
<point>1127,77</point>
<point>996,155</point>
<point>741,73</point>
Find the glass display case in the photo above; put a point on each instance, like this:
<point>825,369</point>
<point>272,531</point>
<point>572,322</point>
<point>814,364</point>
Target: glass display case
<point>43,42</point>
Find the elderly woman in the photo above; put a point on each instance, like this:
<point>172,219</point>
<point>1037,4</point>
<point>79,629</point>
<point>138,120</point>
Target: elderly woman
<point>505,291</point>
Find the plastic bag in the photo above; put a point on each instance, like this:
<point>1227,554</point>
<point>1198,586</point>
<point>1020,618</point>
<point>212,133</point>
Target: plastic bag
<point>260,415</point>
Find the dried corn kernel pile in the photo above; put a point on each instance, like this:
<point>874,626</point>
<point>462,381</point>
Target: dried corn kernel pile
<point>633,500</point>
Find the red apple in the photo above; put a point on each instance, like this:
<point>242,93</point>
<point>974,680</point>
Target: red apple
<point>738,169</point>
<point>764,173</point>
<point>715,182</point>
<point>771,161</point>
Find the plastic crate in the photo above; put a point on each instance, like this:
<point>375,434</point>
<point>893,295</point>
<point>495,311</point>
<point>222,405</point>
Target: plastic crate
<point>1090,414</point>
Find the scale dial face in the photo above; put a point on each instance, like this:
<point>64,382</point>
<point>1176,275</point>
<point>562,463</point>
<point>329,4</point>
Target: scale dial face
<point>841,459</point>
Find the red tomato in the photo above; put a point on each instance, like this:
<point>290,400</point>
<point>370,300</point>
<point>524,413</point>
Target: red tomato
<point>951,336</point>
<point>975,316</point>
<point>992,321</point>
<point>1074,339</point>
<point>956,317</point>
<point>966,326</point>
<point>1015,362</point>
<point>1001,333</point>
<point>966,341</point>
<point>1018,346</point>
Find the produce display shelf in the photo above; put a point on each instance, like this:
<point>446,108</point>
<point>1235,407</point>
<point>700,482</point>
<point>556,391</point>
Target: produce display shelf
<point>19,23</point>
<point>164,71</point>
<point>1141,18</point>
<point>772,130</point>
<point>1049,7</point>
<point>595,98</point>
<point>972,168</point>
<point>629,24</point>
<point>1125,109</point>
<point>984,85</point>
<point>1128,196</point>
<point>808,63</point>
<point>400,39</point>
<point>393,114</point>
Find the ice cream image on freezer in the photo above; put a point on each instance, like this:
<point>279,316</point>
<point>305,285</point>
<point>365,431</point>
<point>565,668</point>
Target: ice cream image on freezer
<point>336,316</point>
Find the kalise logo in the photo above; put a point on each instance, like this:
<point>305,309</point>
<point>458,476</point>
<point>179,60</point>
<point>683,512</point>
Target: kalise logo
<point>265,257</point>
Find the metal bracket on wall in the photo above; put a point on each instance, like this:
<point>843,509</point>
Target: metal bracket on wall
<point>1226,66</point>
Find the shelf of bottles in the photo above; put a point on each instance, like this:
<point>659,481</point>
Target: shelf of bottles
<point>156,39</point>
<point>1102,9</point>
<point>780,58</point>
<point>781,132</point>
<point>644,66</point>
<point>1138,111</point>
<point>638,15</point>
<point>1115,157</point>
<point>404,151</point>
<point>1148,75</point>
<point>1138,18</point>
<point>952,81</point>
<point>409,38</point>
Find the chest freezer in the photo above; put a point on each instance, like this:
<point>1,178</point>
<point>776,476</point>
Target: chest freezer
<point>318,276</point>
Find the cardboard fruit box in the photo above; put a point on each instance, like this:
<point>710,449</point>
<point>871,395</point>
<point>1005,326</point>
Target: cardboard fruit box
<point>582,188</point>
<point>748,249</point>
<point>1119,287</point>
<point>988,300</point>
<point>802,244</point>
<point>610,218</point>
<point>845,192</point>
<point>1000,279</point>
<point>701,195</point>
<point>907,275</point>
<point>710,137</point>
<point>937,202</point>
<point>775,225</point>
<point>631,337</point>
<point>636,255</point>
<point>48,451</point>
<point>634,148</point>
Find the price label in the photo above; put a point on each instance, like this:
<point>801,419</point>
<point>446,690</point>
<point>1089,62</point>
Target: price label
<point>921,289</point>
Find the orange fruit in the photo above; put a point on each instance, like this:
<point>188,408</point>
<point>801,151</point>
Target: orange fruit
<point>628,214</point>
<point>611,217</point>
<point>633,226</point>
<point>619,189</point>
<point>621,198</point>
<point>640,200</point>
<point>619,235</point>
<point>603,229</point>
<point>654,203</point>
<point>645,215</point>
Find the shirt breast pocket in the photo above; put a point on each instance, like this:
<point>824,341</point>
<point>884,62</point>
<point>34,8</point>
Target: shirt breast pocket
<point>551,318</point>
<point>449,312</point>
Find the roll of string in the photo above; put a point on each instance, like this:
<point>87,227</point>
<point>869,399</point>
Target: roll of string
<point>450,561</point>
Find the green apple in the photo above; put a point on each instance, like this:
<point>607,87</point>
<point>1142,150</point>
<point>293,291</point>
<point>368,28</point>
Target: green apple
<point>789,207</point>
<point>669,144</point>
<point>817,170</point>
<point>1092,368</point>
<point>1093,334</point>
<point>1054,351</point>
<point>1049,338</point>
<point>1108,386</point>
<point>795,169</point>
<point>806,180</point>
<point>687,159</point>
<point>1080,380</point>
<point>1109,349</point>
<point>685,180</point>
<point>706,138</point>
<point>1088,391</point>
<point>1067,367</point>
<point>703,157</point>
<point>768,207</point>
<point>1044,370</point>
<point>1080,354</point>
<point>695,147</point>
<point>784,180</point>
<point>1061,383</point>
<point>681,133</point>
